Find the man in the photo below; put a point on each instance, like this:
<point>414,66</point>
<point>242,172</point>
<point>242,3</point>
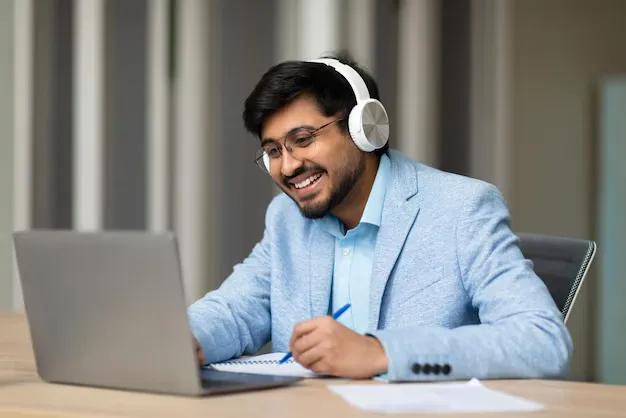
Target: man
<point>437,284</point>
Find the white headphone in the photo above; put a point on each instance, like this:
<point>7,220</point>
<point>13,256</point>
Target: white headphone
<point>368,122</point>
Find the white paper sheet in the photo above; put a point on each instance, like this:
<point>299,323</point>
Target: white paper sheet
<point>264,364</point>
<point>471,396</point>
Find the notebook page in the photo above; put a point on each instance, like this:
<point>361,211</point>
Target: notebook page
<point>264,364</point>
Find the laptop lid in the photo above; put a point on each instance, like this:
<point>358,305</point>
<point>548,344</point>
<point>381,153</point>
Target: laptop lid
<point>107,309</point>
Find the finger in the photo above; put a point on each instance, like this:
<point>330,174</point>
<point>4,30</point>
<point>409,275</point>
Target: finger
<point>320,366</point>
<point>200,356</point>
<point>198,351</point>
<point>303,328</point>
<point>310,356</point>
<point>305,342</point>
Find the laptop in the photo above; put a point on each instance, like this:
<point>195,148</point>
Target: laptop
<point>107,309</point>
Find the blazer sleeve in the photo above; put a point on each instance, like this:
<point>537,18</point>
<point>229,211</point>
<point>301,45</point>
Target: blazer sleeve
<point>521,332</point>
<point>234,319</point>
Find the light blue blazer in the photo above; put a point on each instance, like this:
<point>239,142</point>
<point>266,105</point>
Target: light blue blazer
<point>451,295</point>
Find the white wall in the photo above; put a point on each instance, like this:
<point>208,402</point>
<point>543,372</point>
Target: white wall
<point>560,50</point>
<point>6,153</point>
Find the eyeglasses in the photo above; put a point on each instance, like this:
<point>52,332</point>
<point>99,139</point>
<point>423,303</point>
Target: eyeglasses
<point>300,143</point>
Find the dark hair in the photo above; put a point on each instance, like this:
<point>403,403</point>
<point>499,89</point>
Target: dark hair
<point>285,81</point>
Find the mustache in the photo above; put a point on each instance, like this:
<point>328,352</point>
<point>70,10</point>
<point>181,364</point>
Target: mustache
<point>312,168</point>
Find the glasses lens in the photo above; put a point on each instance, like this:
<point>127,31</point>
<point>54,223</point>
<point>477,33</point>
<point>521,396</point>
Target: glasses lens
<point>302,145</point>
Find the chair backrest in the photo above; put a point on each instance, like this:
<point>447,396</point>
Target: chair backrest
<point>562,263</point>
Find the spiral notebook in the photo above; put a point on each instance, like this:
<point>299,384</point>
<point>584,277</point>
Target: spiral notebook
<point>264,364</point>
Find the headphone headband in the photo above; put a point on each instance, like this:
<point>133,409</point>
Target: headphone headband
<point>356,81</point>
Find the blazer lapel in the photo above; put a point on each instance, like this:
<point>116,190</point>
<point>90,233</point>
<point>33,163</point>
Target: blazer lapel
<point>321,264</point>
<point>399,212</point>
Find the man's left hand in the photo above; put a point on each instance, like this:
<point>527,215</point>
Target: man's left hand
<point>323,345</point>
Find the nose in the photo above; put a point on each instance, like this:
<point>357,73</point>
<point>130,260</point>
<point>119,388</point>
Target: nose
<point>289,164</point>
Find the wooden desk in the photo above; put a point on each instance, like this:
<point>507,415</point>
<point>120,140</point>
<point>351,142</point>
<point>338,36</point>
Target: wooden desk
<point>23,395</point>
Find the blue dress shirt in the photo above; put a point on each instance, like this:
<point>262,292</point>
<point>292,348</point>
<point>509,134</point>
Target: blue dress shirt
<point>354,254</point>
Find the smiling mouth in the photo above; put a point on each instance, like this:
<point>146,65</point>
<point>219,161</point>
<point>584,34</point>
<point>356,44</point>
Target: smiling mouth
<point>309,181</point>
<point>308,187</point>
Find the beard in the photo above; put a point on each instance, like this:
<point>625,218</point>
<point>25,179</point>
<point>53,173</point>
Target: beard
<point>347,178</point>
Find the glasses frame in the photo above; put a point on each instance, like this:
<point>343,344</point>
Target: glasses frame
<point>282,141</point>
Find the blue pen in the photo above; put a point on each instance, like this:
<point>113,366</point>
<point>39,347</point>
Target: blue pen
<point>336,315</point>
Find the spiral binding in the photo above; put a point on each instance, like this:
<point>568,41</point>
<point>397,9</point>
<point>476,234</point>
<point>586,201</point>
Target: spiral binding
<point>236,362</point>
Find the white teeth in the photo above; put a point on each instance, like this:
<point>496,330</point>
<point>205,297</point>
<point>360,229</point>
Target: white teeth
<point>308,181</point>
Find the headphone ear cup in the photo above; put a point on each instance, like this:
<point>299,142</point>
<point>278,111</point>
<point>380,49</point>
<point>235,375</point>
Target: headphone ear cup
<point>369,125</point>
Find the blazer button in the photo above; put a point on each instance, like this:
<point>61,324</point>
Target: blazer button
<point>416,368</point>
<point>427,368</point>
<point>437,369</point>
<point>446,369</point>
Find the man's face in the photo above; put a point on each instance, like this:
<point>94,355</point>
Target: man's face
<point>322,177</point>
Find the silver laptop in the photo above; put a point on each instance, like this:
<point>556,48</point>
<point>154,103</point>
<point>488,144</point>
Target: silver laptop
<point>107,309</point>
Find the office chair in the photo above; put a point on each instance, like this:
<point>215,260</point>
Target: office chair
<point>562,263</point>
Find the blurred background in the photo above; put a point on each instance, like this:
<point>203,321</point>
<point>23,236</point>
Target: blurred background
<point>126,114</point>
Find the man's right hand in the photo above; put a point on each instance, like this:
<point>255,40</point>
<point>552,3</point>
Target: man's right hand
<point>199,352</point>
